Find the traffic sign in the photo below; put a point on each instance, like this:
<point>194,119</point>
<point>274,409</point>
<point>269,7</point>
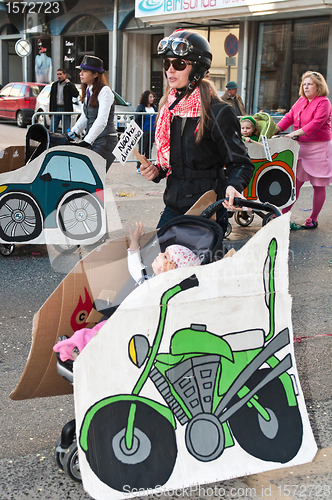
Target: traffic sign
<point>231,45</point>
<point>23,47</point>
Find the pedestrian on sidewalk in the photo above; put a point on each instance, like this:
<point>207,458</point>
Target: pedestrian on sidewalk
<point>147,123</point>
<point>61,99</point>
<point>311,117</point>
<point>233,99</point>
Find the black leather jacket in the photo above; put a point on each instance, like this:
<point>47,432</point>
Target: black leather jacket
<point>69,91</point>
<point>220,160</point>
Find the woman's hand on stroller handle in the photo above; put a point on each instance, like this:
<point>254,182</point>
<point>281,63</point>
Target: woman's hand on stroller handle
<point>230,195</point>
<point>239,203</point>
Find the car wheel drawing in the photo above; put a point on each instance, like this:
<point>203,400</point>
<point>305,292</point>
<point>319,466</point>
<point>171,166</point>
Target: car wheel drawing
<point>80,216</point>
<point>20,218</point>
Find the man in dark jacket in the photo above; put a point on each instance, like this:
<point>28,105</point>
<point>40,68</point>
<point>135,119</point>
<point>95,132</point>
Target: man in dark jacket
<point>61,99</point>
<point>233,99</point>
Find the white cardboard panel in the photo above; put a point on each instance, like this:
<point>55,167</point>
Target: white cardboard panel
<point>229,298</point>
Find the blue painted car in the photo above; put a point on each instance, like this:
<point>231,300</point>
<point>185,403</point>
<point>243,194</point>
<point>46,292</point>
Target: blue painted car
<point>58,197</point>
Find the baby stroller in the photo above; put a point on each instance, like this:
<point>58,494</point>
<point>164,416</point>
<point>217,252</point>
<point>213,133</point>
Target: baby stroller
<point>266,127</point>
<point>198,233</point>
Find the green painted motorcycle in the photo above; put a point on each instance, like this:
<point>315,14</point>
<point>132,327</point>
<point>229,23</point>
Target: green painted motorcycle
<point>221,389</point>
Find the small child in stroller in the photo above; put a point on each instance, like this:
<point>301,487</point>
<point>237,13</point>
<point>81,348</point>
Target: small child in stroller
<point>174,256</point>
<point>249,129</point>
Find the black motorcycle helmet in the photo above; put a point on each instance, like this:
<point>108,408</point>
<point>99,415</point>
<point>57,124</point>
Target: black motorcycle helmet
<point>190,46</point>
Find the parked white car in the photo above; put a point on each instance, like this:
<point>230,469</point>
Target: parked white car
<point>121,106</point>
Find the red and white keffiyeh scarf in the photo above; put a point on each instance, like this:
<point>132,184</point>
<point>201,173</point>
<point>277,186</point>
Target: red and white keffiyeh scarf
<point>187,107</point>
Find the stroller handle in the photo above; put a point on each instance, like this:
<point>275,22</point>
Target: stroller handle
<point>241,202</point>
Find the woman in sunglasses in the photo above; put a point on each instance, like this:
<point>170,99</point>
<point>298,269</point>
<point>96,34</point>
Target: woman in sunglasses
<point>197,135</point>
<point>311,116</point>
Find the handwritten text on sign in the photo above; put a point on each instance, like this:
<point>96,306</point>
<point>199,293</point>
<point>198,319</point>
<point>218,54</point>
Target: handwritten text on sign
<point>127,142</point>
<point>266,148</point>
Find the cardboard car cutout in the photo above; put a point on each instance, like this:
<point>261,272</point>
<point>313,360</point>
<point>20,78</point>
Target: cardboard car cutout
<point>57,197</point>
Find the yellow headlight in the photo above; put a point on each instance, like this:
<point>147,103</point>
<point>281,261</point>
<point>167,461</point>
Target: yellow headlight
<point>3,188</point>
<point>132,351</point>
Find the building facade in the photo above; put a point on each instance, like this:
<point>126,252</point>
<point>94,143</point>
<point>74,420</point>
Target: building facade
<point>265,47</point>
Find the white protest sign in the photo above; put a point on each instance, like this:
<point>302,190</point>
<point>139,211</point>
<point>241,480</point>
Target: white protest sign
<point>266,148</point>
<point>127,142</point>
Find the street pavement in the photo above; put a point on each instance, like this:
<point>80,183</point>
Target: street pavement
<point>30,428</point>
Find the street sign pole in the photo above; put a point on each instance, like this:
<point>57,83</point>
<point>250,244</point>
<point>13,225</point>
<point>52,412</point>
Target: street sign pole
<point>231,48</point>
<point>23,49</point>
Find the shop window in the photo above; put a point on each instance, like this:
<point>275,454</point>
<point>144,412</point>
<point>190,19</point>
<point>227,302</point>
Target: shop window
<point>43,59</point>
<point>156,68</point>
<point>84,37</point>
<point>85,24</point>
<point>285,51</point>
<point>221,70</point>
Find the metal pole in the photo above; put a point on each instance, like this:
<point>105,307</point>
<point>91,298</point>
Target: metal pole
<point>25,59</point>
<point>115,43</point>
<point>245,61</point>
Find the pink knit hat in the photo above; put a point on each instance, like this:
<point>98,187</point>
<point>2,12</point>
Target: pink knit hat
<point>182,256</point>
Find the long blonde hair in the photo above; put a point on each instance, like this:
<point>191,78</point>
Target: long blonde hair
<point>207,93</point>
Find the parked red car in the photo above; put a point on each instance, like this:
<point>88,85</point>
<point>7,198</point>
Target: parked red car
<point>18,101</point>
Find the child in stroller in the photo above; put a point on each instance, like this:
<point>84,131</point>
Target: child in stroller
<point>174,256</point>
<point>249,129</point>
<point>203,240</point>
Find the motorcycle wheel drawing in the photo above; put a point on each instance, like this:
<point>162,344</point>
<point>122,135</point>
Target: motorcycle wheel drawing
<point>278,436</point>
<point>217,391</point>
<point>137,463</point>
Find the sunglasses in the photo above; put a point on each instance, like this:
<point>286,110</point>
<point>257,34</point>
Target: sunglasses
<point>179,46</point>
<point>178,64</point>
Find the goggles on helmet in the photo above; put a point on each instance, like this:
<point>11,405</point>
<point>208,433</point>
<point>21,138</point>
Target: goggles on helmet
<point>179,46</point>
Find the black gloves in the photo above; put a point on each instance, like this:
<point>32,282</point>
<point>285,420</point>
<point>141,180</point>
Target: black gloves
<point>83,144</point>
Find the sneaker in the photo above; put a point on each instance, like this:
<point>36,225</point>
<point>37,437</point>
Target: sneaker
<point>138,171</point>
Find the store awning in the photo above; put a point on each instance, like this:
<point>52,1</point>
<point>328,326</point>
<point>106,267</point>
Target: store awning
<point>161,11</point>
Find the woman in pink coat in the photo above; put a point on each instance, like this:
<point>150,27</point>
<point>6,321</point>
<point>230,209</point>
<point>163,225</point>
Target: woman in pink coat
<point>311,117</point>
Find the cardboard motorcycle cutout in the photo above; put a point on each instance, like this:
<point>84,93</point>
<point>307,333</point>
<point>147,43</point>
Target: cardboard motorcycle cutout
<point>217,394</point>
<point>274,179</point>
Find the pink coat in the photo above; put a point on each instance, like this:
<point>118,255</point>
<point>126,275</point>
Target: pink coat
<point>313,117</point>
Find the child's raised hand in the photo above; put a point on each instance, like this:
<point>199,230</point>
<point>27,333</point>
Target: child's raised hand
<point>135,236</point>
